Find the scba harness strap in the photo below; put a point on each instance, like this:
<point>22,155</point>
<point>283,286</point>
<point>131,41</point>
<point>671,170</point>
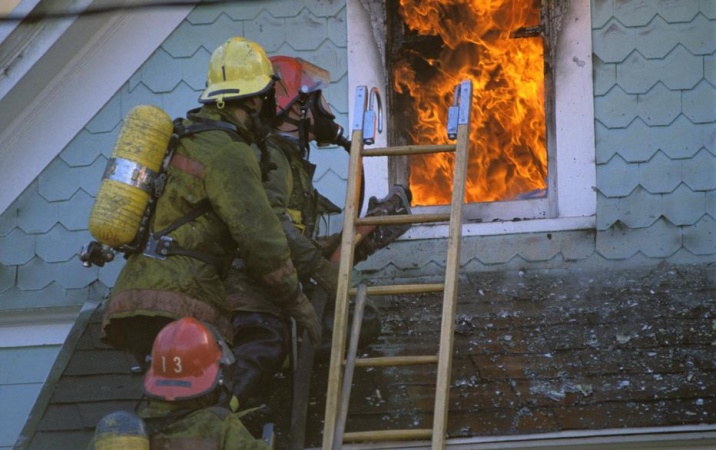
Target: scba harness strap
<point>158,244</point>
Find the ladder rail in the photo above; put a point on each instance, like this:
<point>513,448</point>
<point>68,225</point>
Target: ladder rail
<point>447,328</point>
<point>341,380</point>
<point>350,364</point>
<point>340,320</point>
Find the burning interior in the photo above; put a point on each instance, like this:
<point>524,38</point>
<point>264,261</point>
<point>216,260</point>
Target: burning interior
<point>500,46</point>
<point>533,124</point>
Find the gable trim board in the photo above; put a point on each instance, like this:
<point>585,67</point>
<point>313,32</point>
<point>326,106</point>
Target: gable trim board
<point>97,56</point>
<point>48,388</point>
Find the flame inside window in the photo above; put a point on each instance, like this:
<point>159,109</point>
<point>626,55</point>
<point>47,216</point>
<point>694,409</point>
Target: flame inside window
<point>493,43</point>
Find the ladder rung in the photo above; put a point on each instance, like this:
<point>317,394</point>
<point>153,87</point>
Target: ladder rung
<point>408,150</point>
<point>403,219</point>
<point>401,289</point>
<point>387,361</point>
<point>388,435</point>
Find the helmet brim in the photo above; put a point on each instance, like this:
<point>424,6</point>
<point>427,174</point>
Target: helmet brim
<point>172,389</point>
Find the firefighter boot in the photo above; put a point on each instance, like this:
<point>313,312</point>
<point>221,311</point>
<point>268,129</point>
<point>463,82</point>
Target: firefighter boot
<point>370,327</point>
<point>397,202</point>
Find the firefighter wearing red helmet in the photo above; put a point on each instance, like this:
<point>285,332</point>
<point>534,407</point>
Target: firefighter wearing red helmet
<point>189,397</point>
<point>187,378</point>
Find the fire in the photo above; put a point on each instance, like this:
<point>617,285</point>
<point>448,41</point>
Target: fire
<point>508,144</point>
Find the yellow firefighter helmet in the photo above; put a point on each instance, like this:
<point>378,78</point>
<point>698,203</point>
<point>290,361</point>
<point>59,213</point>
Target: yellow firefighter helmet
<point>238,68</point>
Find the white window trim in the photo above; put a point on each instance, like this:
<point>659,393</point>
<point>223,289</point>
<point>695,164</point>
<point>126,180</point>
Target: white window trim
<point>575,179</point>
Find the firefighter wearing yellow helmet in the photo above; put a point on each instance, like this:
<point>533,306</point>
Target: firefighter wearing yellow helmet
<point>212,202</point>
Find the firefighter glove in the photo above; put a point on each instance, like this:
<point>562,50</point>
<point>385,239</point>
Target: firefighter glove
<point>302,311</point>
<point>326,275</point>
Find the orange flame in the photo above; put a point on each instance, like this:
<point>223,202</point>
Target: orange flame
<point>508,144</point>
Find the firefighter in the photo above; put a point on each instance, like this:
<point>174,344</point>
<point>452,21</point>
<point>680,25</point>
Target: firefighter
<point>190,402</point>
<point>303,115</point>
<point>213,202</point>
<point>187,383</point>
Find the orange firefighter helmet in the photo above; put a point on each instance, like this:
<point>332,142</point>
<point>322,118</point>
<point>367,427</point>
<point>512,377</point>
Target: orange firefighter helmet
<point>298,77</point>
<point>187,359</point>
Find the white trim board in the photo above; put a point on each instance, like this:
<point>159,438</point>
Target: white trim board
<point>98,64</point>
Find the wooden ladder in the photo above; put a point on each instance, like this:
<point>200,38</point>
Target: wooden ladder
<point>342,365</point>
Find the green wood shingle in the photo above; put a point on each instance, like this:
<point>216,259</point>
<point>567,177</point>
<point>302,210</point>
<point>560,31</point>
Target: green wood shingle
<point>699,172</point>
<point>699,104</point>
<point>700,238</point>
<point>684,206</point>
<point>17,247</point>
<point>660,174</point>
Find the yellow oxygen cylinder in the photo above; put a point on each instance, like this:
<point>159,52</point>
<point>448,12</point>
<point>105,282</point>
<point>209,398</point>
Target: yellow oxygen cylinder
<point>127,181</point>
<point>121,430</point>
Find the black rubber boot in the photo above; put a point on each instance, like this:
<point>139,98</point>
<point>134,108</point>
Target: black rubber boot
<point>370,329</point>
<point>260,347</point>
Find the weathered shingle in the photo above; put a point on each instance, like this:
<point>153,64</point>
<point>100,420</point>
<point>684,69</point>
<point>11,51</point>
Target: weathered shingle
<point>708,8</point>
<point>86,147</point>
<point>60,244</point>
<point>312,29</point>
<point>209,14</point>
<point>74,213</point>
<point>659,106</point>
<point>660,174</point>
<point>636,12</point>
<point>678,70</point>
<point>658,38</point>
<point>35,275</point>
<point>700,238</point>
<point>617,178</point>
<point>8,221</point>
<point>636,74</point>
<point>699,172</point>
<point>616,109</point>
<point>710,68</point>
<point>35,214</point>
<point>20,298</point>
<point>53,186</point>
<point>674,12</point>
<point>107,118</point>
<point>18,247</point>
<point>71,274</point>
<point>108,274</point>
<point>271,32</point>
<point>602,12</point>
<point>699,104</point>
<point>698,36</point>
<point>605,76</point>
<point>684,206</point>
<point>613,42</point>
<point>659,240</point>
<point>161,73</point>
<point>90,177</point>
<point>640,209</point>
<point>181,100</point>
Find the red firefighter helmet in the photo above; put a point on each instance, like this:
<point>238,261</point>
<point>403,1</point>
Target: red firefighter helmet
<point>298,77</point>
<point>186,361</point>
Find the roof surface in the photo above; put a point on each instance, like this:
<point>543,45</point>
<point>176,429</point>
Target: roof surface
<point>534,353</point>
